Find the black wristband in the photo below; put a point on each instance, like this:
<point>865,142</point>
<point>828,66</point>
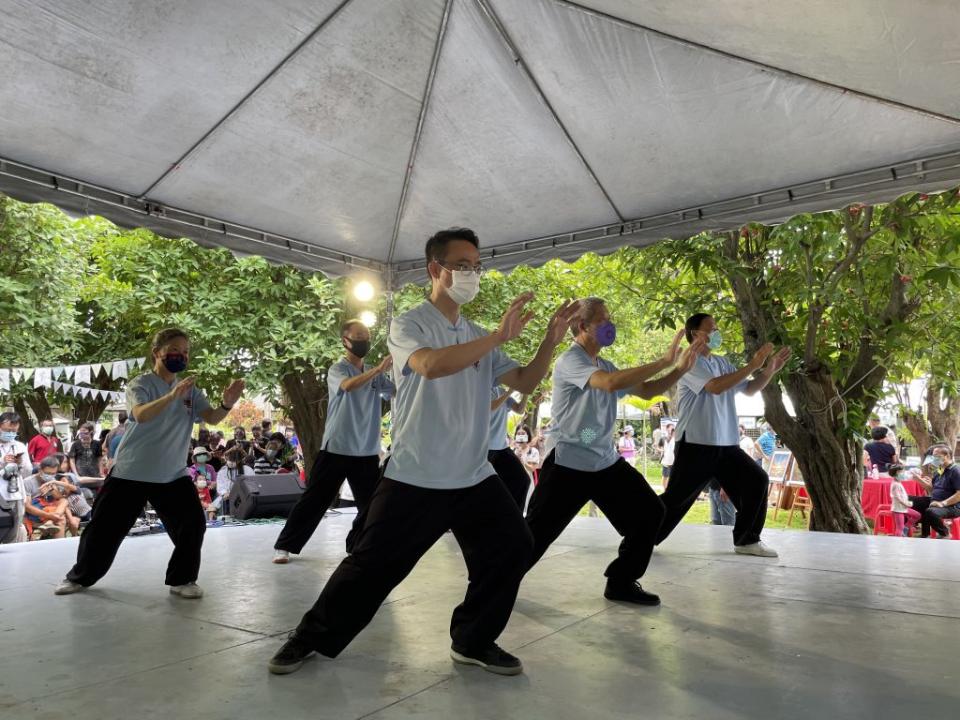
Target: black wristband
<point>224,407</point>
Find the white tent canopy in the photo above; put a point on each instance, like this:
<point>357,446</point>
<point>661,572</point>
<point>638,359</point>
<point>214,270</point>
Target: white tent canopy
<point>338,135</point>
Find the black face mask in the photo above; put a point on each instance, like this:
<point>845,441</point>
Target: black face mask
<point>359,347</point>
<point>175,362</point>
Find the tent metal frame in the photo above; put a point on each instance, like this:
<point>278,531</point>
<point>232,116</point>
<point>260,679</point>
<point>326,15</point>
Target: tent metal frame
<point>943,168</point>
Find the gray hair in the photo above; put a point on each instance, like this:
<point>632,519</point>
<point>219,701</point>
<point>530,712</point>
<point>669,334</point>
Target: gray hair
<point>167,335</point>
<point>585,313</point>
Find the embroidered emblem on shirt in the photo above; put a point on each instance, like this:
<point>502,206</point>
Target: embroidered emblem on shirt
<point>588,436</point>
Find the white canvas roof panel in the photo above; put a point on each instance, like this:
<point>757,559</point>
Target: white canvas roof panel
<point>339,134</point>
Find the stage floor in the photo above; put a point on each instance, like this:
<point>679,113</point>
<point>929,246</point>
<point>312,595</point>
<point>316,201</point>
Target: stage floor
<point>838,627</point>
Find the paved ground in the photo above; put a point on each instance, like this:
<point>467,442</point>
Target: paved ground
<point>838,627</point>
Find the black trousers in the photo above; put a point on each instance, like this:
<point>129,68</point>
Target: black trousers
<point>619,491</point>
<point>932,517</point>
<point>745,483</point>
<point>508,466</point>
<point>402,523</point>
<point>118,506</point>
<point>326,476</point>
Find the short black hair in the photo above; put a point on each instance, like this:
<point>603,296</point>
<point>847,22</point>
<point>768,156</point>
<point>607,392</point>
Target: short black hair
<point>693,324</point>
<point>345,327</point>
<point>10,417</point>
<point>436,248</point>
<point>879,432</point>
<point>50,461</point>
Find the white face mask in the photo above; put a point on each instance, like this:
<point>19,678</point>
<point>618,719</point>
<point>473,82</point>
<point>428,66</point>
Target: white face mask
<point>47,429</point>
<point>466,285</point>
<point>522,438</point>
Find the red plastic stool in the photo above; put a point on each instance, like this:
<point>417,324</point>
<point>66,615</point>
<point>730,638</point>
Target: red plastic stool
<point>954,528</point>
<point>883,522</point>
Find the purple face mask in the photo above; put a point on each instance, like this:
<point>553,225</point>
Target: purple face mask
<point>605,334</point>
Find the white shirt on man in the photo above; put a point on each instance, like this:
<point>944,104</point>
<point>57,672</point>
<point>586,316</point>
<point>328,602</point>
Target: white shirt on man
<point>441,427</point>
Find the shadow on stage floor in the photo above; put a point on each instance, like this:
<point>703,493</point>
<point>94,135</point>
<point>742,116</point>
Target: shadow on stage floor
<point>838,627</point>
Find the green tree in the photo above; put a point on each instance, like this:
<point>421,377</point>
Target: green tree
<point>843,289</point>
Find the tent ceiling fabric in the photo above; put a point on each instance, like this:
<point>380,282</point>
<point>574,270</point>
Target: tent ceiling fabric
<point>339,134</point>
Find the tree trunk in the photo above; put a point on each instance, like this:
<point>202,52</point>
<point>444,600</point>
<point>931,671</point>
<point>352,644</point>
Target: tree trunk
<point>305,396</point>
<point>90,409</point>
<point>828,458</point>
<point>917,425</point>
<point>943,410</point>
<point>37,401</point>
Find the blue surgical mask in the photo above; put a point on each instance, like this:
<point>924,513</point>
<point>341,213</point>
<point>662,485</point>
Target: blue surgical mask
<point>714,340</point>
<point>901,476</point>
<point>8,435</point>
<point>934,460</point>
<point>605,334</point>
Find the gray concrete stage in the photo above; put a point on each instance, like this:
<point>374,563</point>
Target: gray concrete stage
<point>838,627</point>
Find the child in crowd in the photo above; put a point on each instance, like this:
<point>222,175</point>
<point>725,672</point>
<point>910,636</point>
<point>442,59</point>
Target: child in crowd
<point>205,478</point>
<point>904,516</point>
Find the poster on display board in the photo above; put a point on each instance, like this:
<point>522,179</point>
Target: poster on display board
<point>779,465</point>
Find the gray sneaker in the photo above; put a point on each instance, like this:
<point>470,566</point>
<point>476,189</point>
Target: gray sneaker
<point>68,587</point>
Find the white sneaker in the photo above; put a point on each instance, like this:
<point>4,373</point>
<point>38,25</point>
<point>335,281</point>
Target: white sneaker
<point>281,557</point>
<point>190,591</point>
<point>68,587</point>
<point>757,548</point>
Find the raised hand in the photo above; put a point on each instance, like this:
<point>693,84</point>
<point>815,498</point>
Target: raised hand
<point>386,363</point>
<point>560,322</point>
<point>232,393</point>
<point>673,352</point>
<point>183,388</point>
<point>688,358</point>
<point>514,320</point>
<point>760,356</point>
<point>778,360</point>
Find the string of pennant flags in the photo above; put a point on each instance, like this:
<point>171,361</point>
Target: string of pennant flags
<point>50,377</point>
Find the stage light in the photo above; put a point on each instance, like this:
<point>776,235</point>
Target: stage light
<point>364,291</point>
<point>368,318</point>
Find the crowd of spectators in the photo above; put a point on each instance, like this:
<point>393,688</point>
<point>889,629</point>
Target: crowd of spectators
<point>59,485</point>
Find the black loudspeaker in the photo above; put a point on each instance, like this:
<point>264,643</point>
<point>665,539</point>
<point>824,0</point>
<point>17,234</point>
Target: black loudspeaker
<point>263,496</point>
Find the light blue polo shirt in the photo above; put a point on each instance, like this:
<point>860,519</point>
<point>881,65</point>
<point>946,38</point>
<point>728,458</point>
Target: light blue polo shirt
<point>353,418</point>
<point>441,427</point>
<point>498,418</point>
<point>581,430</point>
<point>705,418</point>
<point>156,451</point>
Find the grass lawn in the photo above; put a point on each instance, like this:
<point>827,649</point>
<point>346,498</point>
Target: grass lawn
<point>700,512</point>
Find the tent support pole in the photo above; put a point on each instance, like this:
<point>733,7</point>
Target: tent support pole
<point>243,101</point>
<point>501,31</point>
<point>418,133</point>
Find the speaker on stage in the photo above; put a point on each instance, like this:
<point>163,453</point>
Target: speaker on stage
<point>262,496</point>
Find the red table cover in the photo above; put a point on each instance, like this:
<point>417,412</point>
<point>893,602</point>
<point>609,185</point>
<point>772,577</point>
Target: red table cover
<point>877,492</point>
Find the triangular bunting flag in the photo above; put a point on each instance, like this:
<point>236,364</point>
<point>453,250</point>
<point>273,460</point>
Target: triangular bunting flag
<point>83,373</point>
<point>17,374</point>
<point>58,386</point>
<point>4,379</point>
<point>57,372</point>
<point>119,369</point>
<point>42,378</point>
<point>95,369</point>
<point>69,371</point>
<point>139,362</point>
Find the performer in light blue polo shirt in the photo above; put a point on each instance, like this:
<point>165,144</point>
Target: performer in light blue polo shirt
<point>504,460</point>
<point>584,463</point>
<point>350,449</point>
<point>151,466</point>
<point>708,438</point>
<point>438,476</point>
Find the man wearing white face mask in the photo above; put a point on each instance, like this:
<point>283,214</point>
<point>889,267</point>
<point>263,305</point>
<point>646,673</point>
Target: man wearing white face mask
<point>707,444</point>
<point>44,444</point>
<point>438,476</point>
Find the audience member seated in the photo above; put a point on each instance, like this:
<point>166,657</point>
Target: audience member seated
<point>233,467</point>
<point>47,513</point>
<point>941,478</point>
<point>880,450</point>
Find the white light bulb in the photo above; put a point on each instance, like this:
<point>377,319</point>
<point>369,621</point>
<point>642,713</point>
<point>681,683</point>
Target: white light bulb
<point>363,291</point>
<point>368,318</point>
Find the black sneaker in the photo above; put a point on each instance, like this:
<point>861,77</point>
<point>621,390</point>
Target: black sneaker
<point>290,657</point>
<point>494,659</point>
<point>629,592</point>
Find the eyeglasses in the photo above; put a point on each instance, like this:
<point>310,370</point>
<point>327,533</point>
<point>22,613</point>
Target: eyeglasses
<point>463,267</point>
